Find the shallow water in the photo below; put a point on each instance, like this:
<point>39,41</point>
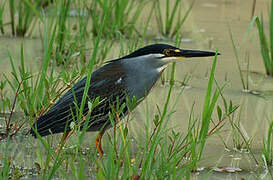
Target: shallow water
<point>208,27</point>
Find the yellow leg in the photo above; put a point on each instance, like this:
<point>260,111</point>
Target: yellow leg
<point>98,144</point>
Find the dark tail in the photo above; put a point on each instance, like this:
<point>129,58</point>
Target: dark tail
<point>46,125</point>
<point>36,127</point>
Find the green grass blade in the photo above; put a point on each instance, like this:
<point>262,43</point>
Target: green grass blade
<point>35,11</point>
<point>264,45</point>
<point>271,35</point>
<point>236,57</point>
<point>12,14</point>
<point>208,108</point>
<point>47,56</point>
<point>179,25</point>
<point>170,20</point>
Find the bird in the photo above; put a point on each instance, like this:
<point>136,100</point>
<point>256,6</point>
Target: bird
<point>128,77</point>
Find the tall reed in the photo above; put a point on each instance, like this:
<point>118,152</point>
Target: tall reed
<point>266,42</point>
<point>121,16</point>
<point>170,19</point>
<point>2,9</point>
<point>22,15</point>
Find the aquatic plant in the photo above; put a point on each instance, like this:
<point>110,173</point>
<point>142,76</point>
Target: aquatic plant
<point>26,11</point>
<point>268,147</point>
<point>170,22</point>
<point>244,79</point>
<point>2,8</point>
<point>71,31</point>
<point>63,32</point>
<point>266,43</point>
<point>121,16</point>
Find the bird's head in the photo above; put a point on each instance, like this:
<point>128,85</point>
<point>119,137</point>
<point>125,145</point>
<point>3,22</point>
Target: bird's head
<point>159,55</point>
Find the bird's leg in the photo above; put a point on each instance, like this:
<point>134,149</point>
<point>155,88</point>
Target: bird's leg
<point>98,144</point>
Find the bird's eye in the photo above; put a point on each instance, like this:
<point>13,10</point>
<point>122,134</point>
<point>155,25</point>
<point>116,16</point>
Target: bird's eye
<point>167,52</point>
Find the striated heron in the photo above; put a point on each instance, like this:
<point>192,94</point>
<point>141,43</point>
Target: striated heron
<point>131,76</point>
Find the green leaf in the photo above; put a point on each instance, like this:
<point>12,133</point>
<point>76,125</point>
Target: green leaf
<point>72,125</point>
<point>219,112</point>
<point>230,106</point>
<point>89,105</point>
<point>125,131</point>
<point>156,119</point>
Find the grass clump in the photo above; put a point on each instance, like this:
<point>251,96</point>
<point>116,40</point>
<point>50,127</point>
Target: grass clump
<point>71,26</point>
<point>266,43</point>
<point>121,16</point>
<point>170,20</point>
<point>26,13</point>
<point>268,147</point>
<point>63,32</point>
<point>2,8</point>
<point>241,141</point>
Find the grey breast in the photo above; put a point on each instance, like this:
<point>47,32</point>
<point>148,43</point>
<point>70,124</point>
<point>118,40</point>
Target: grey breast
<point>142,74</point>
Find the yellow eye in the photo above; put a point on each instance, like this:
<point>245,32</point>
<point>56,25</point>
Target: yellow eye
<point>167,52</point>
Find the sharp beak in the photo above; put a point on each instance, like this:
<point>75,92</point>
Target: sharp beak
<point>194,53</point>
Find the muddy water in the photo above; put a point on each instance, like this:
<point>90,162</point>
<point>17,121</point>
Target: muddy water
<point>208,26</point>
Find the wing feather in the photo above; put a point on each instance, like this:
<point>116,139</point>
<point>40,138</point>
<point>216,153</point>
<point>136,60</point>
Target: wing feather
<point>108,83</point>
